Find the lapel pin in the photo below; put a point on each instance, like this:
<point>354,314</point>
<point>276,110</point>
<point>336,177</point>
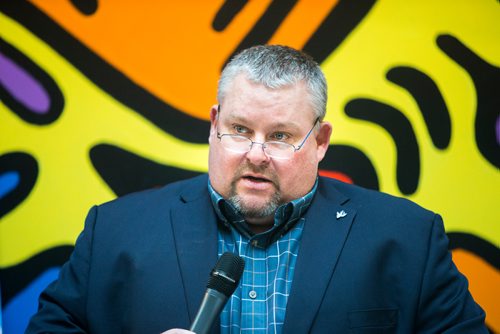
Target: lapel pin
<point>341,214</point>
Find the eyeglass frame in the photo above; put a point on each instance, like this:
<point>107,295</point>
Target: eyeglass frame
<point>263,145</point>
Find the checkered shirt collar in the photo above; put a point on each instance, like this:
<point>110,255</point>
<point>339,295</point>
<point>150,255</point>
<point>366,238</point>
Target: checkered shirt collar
<point>285,217</point>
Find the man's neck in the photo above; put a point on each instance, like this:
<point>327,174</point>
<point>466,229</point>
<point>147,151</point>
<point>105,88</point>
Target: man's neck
<point>260,225</point>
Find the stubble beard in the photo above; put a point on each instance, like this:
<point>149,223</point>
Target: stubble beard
<point>253,211</point>
<point>249,211</point>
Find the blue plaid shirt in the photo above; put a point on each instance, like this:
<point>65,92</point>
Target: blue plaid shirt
<point>259,303</point>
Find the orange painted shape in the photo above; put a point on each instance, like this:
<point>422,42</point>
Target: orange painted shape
<point>484,284</point>
<point>335,175</point>
<point>169,47</point>
<point>302,22</point>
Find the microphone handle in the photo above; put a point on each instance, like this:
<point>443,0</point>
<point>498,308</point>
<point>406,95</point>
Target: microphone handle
<point>210,309</point>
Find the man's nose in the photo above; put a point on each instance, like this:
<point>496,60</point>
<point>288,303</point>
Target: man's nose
<point>257,155</point>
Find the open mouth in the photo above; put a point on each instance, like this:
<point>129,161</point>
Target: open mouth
<point>255,179</point>
<point>256,183</point>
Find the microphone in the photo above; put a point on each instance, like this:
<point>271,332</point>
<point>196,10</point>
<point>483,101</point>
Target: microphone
<point>223,281</point>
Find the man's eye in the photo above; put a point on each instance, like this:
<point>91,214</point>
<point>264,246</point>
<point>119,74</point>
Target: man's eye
<point>280,136</point>
<point>240,129</point>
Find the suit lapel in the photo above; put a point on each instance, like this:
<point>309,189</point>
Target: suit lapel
<point>195,230</point>
<point>322,241</point>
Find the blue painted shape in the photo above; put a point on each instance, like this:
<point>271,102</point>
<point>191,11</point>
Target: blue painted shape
<point>8,182</point>
<point>19,310</point>
<point>1,330</point>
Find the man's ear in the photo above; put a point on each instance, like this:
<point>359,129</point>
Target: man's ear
<point>214,118</point>
<point>214,111</point>
<point>323,139</point>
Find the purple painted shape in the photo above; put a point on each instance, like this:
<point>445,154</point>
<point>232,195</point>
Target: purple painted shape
<point>498,130</point>
<point>23,87</point>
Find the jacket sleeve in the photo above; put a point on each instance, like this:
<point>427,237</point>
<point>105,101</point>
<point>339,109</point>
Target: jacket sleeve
<point>62,305</point>
<point>445,304</point>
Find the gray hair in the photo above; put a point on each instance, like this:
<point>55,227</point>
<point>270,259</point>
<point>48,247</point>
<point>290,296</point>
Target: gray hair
<point>276,66</point>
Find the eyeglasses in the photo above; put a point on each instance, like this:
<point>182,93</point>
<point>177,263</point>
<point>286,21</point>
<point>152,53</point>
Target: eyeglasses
<point>273,149</point>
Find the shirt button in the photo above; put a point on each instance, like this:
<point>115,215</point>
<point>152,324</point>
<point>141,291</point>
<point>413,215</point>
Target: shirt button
<point>252,294</point>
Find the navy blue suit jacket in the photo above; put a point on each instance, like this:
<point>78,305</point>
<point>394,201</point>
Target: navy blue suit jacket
<point>142,263</point>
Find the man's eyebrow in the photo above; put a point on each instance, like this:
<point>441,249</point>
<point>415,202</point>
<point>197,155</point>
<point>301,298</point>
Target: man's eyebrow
<point>273,127</point>
<point>291,126</point>
<point>232,118</point>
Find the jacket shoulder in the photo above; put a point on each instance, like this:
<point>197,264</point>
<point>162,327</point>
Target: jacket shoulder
<point>193,187</point>
<point>375,202</point>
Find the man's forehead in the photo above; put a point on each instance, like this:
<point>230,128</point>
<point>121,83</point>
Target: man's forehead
<point>242,83</point>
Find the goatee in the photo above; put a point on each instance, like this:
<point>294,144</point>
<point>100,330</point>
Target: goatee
<point>256,212</point>
<point>253,211</point>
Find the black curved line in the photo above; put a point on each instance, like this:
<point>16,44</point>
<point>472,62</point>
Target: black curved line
<point>486,78</point>
<point>482,248</point>
<point>339,23</point>
<point>401,131</point>
<point>266,26</point>
<point>352,162</point>
<point>86,7</point>
<point>126,172</point>
<point>27,167</point>
<point>226,13</point>
<point>14,279</point>
<point>105,76</point>
<point>429,99</point>
<point>43,78</point>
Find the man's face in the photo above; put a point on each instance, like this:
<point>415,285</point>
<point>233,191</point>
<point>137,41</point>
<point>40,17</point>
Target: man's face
<point>254,182</point>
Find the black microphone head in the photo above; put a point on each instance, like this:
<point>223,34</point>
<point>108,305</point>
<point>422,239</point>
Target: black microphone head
<point>226,273</point>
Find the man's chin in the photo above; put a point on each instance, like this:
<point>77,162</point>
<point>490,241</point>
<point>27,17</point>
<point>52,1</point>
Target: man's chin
<point>253,209</point>
<point>249,206</point>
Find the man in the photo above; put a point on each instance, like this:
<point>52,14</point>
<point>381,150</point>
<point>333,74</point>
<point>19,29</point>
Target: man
<point>320,256</point>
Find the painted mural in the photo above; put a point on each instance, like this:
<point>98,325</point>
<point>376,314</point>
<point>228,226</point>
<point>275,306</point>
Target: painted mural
<point>103,98</point>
